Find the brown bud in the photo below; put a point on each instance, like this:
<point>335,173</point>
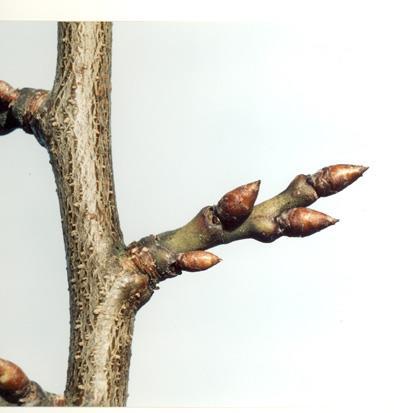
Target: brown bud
<point>7,93</point>
<point>334,178</point>
<point>235,206</point>
<point>196,260</point>
<point>301,222</point>
<point>12,378</point>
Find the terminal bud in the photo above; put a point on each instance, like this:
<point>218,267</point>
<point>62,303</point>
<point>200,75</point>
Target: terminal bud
<point>334,178</point>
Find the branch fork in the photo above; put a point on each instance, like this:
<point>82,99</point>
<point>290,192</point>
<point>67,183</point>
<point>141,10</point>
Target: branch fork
<point>109,282</point>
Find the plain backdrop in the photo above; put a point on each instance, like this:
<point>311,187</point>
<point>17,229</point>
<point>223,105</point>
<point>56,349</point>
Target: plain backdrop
<point>198,109</point>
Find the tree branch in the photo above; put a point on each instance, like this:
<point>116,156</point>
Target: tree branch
<point>21,108</point>
<point>109,282</point>
<point>235,218</point>
<point>17,389</point>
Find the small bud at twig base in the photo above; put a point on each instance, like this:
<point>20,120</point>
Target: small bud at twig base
<point>196,260</point>
<point>12,378</point>
<point>301,222</point>
<point>334,178</point>
<point>235,206</point>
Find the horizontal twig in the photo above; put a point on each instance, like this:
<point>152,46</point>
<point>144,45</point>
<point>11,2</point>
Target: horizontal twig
<point>21,108</point>
<point>235,217</point>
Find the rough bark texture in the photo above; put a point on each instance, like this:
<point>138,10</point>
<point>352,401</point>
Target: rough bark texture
<point>108,281</point>
<point>73,123</point>
<point>78,139</point>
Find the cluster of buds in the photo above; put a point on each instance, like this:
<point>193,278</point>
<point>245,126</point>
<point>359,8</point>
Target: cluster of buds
<point>236,206</point>
<point>285,214</point>
<point>301,222</point>
<point>232,210</point>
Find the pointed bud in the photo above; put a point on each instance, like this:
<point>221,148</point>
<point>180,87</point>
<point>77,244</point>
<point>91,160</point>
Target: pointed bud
<point>334,178</point>
<point>196,260</point>
<point>235,206</point>
<point>301,222</point>
<point>12,378</point>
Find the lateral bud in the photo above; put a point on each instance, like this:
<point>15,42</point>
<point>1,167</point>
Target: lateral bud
<point>301,222</point>
<point>7,94</point>
<point>235,206</point>
<point>196,260</point>
<point>12,377</point>
<point>334,178</point>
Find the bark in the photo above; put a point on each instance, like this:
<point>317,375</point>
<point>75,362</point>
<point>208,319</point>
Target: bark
<point>77,134</point>
<point>73,123</point>
<point>109,281</point>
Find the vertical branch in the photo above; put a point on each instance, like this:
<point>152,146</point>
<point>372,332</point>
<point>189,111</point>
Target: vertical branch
<point>77,134</point>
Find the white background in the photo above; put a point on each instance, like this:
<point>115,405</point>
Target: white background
<point>200,108</point>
